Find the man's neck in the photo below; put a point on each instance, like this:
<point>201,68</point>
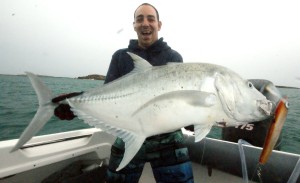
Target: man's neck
<point>145,47</point>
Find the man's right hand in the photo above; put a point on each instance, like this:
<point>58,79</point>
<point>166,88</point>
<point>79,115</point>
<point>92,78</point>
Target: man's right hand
<point>63,112</point>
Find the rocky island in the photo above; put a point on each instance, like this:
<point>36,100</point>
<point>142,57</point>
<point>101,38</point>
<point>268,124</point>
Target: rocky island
<point>93,76</point>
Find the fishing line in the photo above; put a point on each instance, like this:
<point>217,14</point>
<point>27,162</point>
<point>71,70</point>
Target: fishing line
<point>257,169</point>
<point>243,159</point>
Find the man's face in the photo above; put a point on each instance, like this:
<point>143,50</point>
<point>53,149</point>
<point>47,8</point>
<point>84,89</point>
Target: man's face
<point>146,25</point>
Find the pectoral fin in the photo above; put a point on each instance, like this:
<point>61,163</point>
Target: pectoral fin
<point>201,131</point>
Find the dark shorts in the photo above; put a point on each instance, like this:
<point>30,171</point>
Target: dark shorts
<point>167,154</point>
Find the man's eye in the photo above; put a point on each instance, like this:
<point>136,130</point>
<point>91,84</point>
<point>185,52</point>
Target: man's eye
<point>151,19</point>
<point>139,20</point>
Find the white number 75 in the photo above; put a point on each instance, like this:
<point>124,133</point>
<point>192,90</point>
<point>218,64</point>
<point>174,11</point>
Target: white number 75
<point>248,127</point>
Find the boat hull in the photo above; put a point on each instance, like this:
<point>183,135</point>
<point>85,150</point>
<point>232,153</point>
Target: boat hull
<point>224,156</point>
<point>213,160</point>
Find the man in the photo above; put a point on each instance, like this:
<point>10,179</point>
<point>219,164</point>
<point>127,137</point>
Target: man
<point>166,153</point>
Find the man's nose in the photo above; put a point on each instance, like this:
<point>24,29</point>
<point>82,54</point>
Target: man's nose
<point>145,22</point>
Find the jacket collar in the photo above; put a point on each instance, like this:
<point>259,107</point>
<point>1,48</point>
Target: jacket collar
<point>158,46</point>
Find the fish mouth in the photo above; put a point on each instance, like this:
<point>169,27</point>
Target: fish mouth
<point>265,106</point>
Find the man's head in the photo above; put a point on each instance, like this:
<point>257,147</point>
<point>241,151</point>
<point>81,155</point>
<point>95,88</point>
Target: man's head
<point>146,24</point>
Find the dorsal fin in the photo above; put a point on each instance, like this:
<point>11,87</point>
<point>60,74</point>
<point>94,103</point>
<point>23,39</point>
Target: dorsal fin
<point>140,64</point>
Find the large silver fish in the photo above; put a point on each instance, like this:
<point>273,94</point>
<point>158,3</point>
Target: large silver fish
<point>155,100</point>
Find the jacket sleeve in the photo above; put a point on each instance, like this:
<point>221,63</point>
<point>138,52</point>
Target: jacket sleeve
<point>113,71</point>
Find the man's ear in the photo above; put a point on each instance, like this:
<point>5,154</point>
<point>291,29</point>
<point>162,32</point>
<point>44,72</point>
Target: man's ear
<point>133,24</point>
<point>159,25</point>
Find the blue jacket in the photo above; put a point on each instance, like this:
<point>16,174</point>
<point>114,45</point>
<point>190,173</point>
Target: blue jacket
<point>159,53</point>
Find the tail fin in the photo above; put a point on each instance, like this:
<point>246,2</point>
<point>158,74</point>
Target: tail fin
<point>43,114</point>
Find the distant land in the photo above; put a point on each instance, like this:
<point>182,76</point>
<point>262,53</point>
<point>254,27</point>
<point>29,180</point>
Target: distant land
<point>291,87</point>
<point>92,76</point>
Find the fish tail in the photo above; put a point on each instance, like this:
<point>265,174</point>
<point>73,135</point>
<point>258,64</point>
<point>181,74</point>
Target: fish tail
<point>43,114</point>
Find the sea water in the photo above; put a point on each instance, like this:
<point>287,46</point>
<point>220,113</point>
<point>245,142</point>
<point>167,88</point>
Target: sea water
<point>18,104</point>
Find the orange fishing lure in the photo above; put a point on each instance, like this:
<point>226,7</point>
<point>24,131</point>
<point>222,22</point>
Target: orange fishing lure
<point>274,130</point>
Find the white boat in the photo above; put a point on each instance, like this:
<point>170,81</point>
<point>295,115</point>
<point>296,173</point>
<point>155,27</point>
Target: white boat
<point>213,160</point>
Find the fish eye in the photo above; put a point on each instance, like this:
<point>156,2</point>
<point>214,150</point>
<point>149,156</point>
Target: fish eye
<point>250,85</point>
<point>287,104</point>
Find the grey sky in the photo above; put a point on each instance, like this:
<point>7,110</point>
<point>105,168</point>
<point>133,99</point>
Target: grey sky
<point>257,39</point>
